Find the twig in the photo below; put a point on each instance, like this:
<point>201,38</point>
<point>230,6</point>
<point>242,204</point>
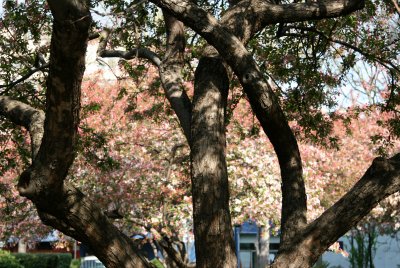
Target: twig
<point>396,6</point>
<point>23,78</point>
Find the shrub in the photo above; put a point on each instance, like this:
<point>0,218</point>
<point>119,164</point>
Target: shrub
<point>76,263</point>
<point>8,261</point>
<point>64,260</point>
<point>50,260</point>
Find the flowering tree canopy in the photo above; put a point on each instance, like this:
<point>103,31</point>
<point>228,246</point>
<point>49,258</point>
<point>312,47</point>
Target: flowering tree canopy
<point>207,125</point>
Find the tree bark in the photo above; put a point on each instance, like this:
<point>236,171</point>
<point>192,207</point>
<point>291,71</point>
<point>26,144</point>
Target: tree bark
<point>380,180</point>
<point>294,254</point>
<point>24,115</point>
<point>59,204</point>
<point>264,104</point>
<point>171,72</point>
<point>210,189</point>
<point>65,208</point>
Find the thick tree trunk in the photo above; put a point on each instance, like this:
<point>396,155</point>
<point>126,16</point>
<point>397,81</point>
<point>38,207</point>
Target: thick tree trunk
<point>77,216</point>
<point>244,20</point>
<point>210,189</point>
<point>59,204</point>
<point>266,107</point>
<point>306,244</point>
<point>67,209</point>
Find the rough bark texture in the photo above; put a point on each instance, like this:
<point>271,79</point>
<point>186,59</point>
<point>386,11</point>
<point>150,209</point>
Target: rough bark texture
<point>266,108</point>
<point>248,17</point>
<point>294,254</point>
<point>210,191</point>
<point>79,217</point>
<point>68,210</point>
<point>380,180</point>
<point>24,115</point>
<point>59,204</point>
<point>171,72</point>
<point>67,64</point>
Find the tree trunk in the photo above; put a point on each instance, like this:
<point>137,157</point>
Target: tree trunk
<point>59,204</point>
<point>212,222</point>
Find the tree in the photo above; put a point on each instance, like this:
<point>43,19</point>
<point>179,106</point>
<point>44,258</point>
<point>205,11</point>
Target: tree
<point>301,70</point>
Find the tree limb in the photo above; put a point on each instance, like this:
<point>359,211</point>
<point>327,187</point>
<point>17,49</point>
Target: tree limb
<point>264,103</point>
<point>173,253</point>
<point>143,53</point>
<point>169,68</point>
<point>387,64</point>
<point>248,17</point>
<point>23,78</point>
<point>380,180</point>
<point>24,115</point>
<point>171,72</point>
<point>58,203</point>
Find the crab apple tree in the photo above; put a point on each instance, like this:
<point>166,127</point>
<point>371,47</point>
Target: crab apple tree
<point>287,59</point>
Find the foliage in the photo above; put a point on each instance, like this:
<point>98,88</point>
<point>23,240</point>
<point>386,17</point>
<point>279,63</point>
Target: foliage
<point>313,64</point>
<point>363,245</point>
<point>329,173</point>
<point>75,263</point>
<point>132,158</point>
<point>30,260</point>
<point>64,260</point>
<point>7,260</point>
<point>156,263</point>
<point>116,153</point>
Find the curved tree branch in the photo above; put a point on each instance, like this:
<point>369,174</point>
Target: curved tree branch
<point>245,19</point>
<point>264,103</point>
<point>380,180</point>
<point>59,204</point>
<point>169,68</point>
<point>248,17</point>
<point>171,72</point>
<point>142,53</point>
<point>23,78</point>
<point>24,115</point>
<point>387,64</point>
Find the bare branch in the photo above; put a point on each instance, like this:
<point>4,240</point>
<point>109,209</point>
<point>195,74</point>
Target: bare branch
<point>387,64</point>
<point>143,53</point>
<point>31,72</point>
<point>23,78</point>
